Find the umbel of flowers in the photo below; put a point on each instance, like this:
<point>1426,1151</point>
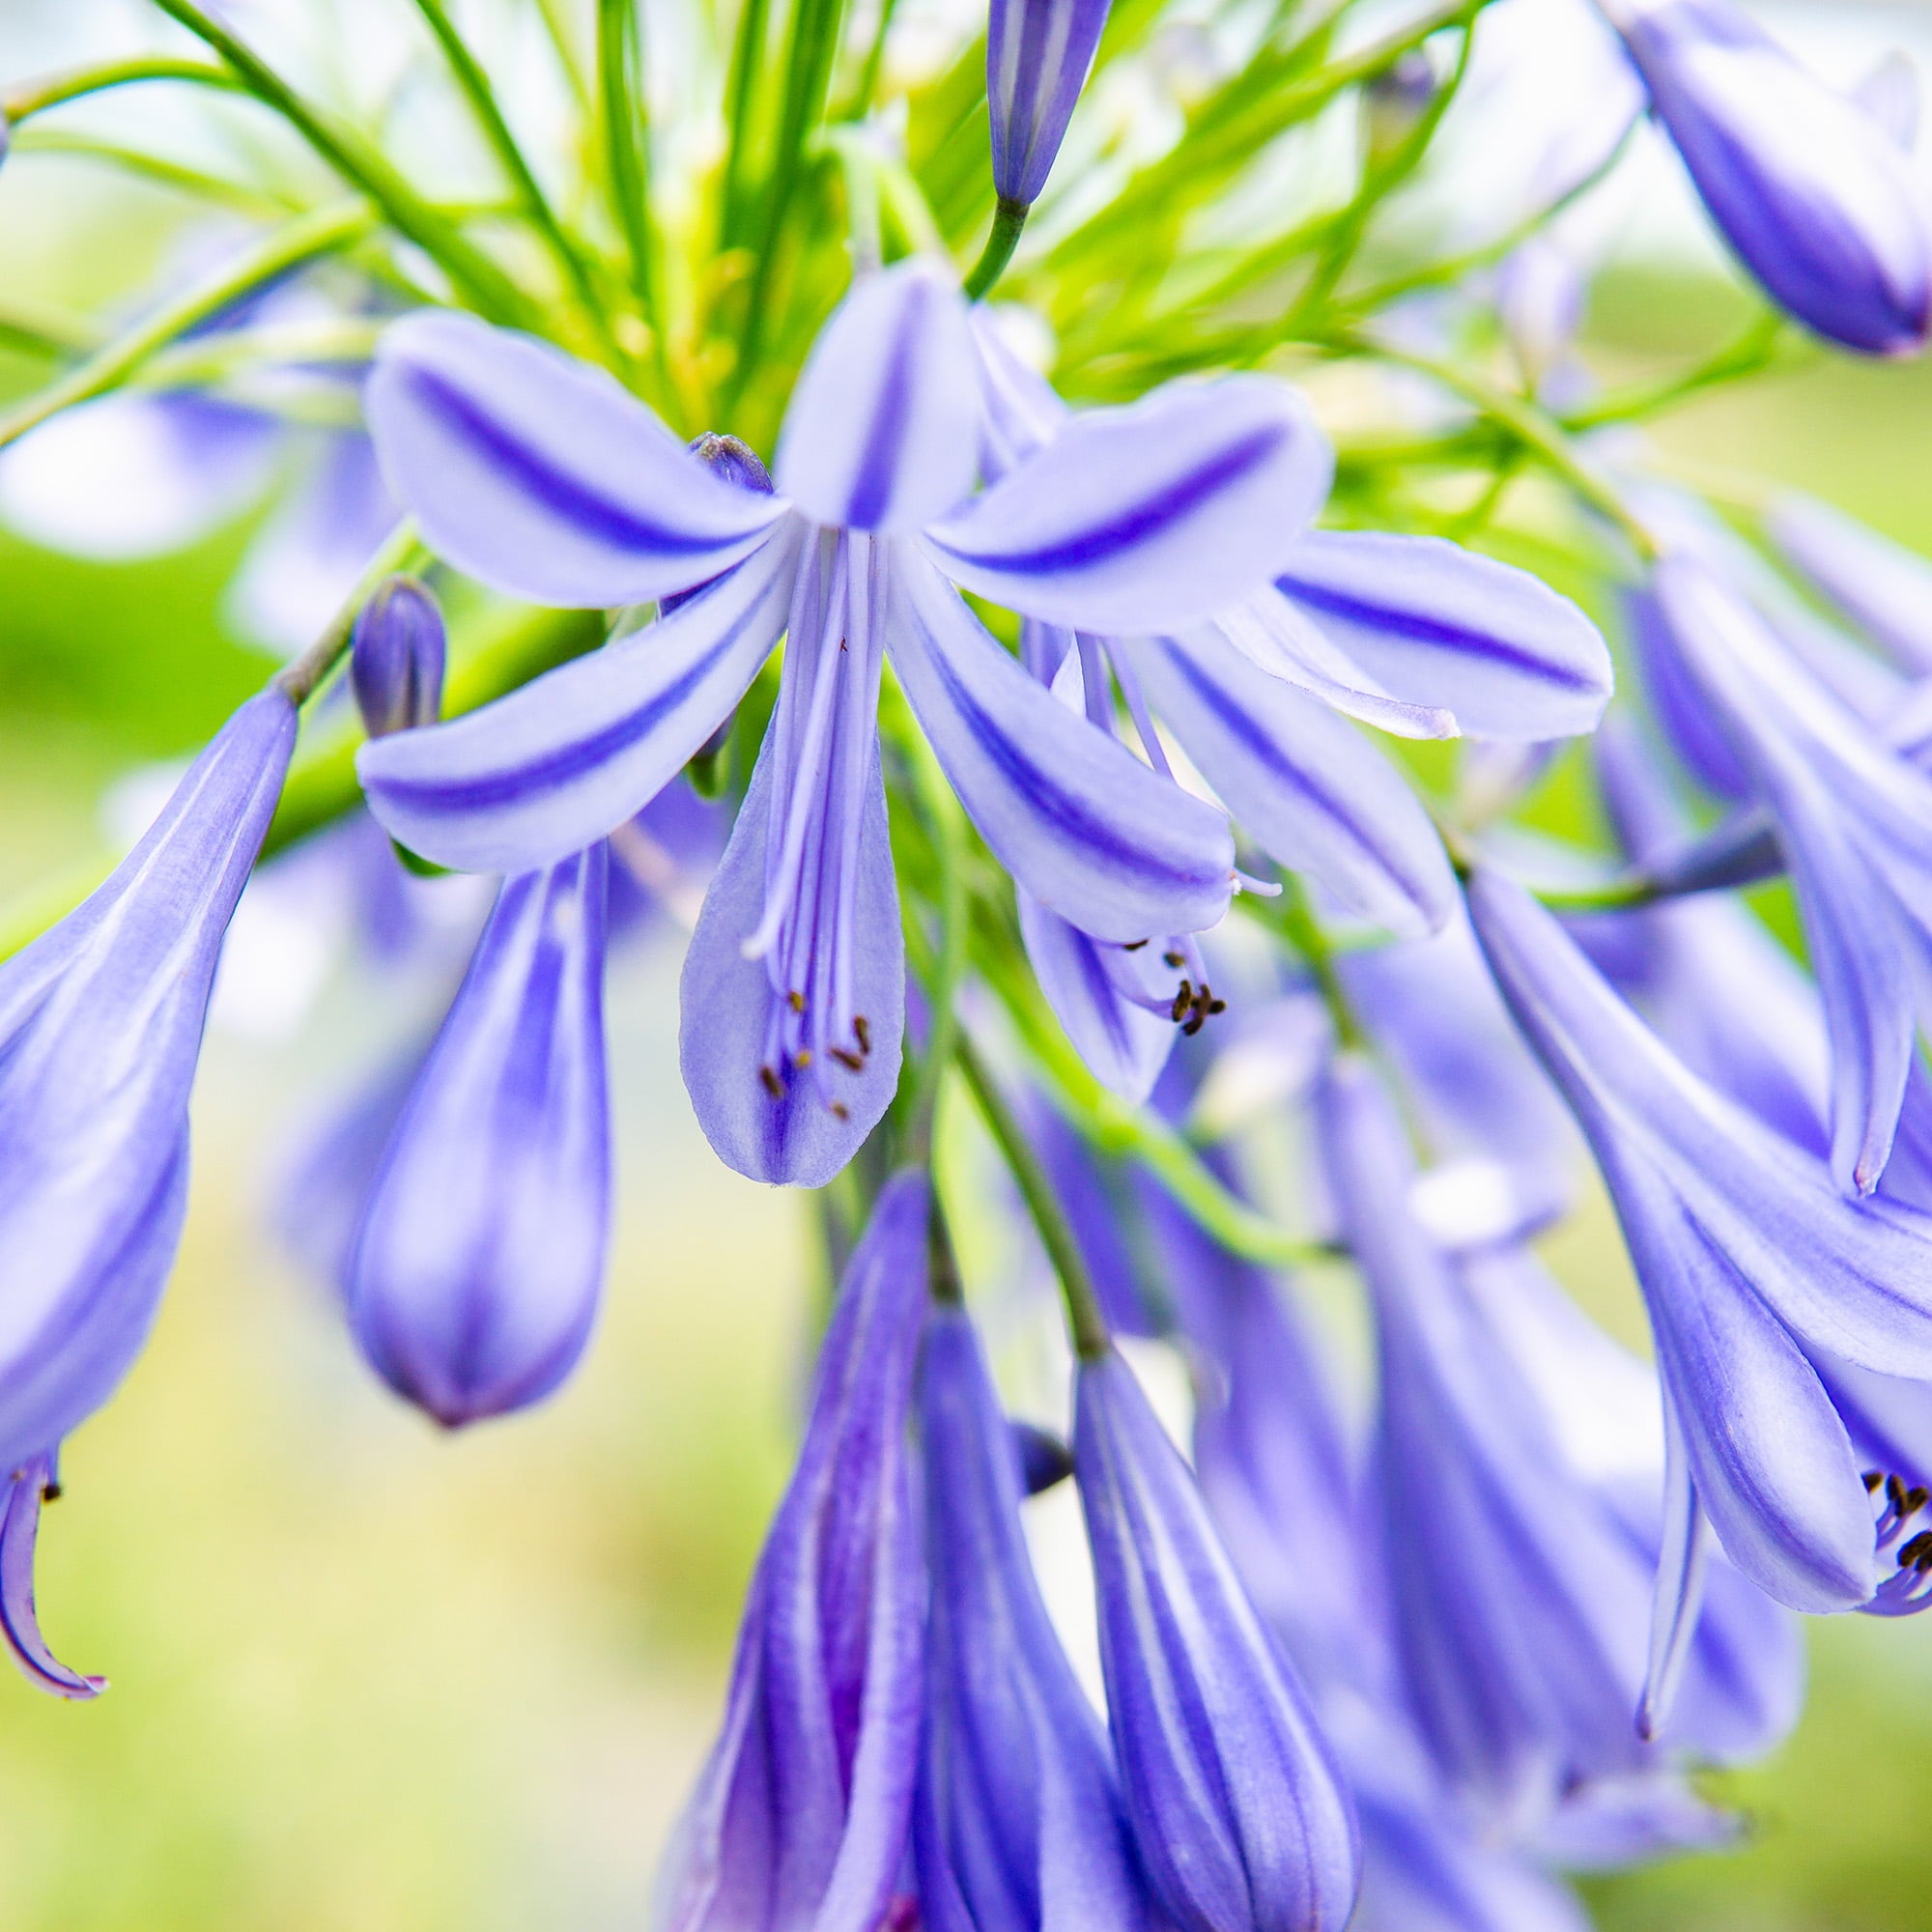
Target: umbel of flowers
<point>1012,700</point>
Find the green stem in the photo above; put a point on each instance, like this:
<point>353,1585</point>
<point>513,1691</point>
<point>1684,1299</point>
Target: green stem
<point>36,97</point>
<point>1084,1319</point>
<point>1303,932</point>
<point>618,98</point>
<point>45,334</point>
<point>483,104</point>
<point>298,241</point>
<point>300,678</point>
<point>1755,350</point>
<point>156,168</point>
<point>364,166</point>
<point>875,60</point>
<point>1540,433</point>
<point>1009,219</point>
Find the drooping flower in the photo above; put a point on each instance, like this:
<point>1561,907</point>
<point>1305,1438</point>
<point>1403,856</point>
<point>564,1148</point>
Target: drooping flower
<point>1020,1824</point>
<point>27,1489</point>
<point>540,477</point>
<point>1851,819</point>
<point>1882,587</point>
<point>1037,54</point>
<point>1748,1258</point>
<point>100,1024</point>
<point>1238,1811</point>
<point>396,658</point>
<point>479,1261</point>
<point>799,1821</point>
<point>1812,192</point>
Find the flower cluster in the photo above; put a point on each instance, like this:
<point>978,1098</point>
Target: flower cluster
<point>1011,700</point>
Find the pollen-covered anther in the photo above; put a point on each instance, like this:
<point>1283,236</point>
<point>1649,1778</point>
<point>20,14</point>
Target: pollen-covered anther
<point>1184,999</point>
<point>772,1081</point>
<point>862,1031</point>
<point>846,1058</point>
<point>795,1000</point>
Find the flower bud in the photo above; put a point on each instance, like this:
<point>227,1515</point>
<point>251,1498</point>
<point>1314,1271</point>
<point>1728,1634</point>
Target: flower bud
<point>1037,54</point>
<point>396,658</point>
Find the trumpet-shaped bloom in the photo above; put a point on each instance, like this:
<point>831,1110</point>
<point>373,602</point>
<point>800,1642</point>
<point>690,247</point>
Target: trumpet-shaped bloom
<point>1037,54</point>
<point>1020,1826</point>
<point>479,1263</point>
<point>799,1822</point>
<point>541,477</point>
<point>27,1489</point>
<point>1238,1811</point>
<point>101,1023</point>
<point>1854,820</point>
<point>1813,194</point>
<point>1748,1258</point>
<point>396,658</point>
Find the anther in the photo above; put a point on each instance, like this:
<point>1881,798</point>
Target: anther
<point>773,1085</point>
<point>1183,1000</point>
<point>1895,1495</point>
<point>795,1001</point>
<point>1134,945</point>
<point>862,1031</point>
<point>840,1111</point>
<point>1917,1554</point>
<point>1914,1501</point>
<point>845,1056</point>
<point>1872,1478</point>
<point>1176,960</point>
<point>803,1057</point>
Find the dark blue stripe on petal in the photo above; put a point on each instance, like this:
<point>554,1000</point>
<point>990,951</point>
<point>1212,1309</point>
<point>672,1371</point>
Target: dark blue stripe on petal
<point>892,419</point>
<point>1424,630</point>
<point>1066,810</point>
<point>553,769</point>
<point>1148,520</point>
<point>1254,740</point>
<point>569,498</point>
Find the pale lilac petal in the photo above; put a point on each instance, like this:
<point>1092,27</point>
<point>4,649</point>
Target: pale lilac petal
<point>540,476</point>
<point>1085,828</point>
<point>1315,794</point>
<point>1124,1039</point>
<point>1442,626</point>
<point>794,1138</point>
<point>553,767</point>
<point>100,1021</point>
<point>883,431</point>
<point>20,1624</point>
<point>479,1263</point>
<point>1882,587</point>
<point>1149,517</point>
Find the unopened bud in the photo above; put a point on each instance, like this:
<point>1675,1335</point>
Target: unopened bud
<point>396,658</point>
<point>1393,104</point>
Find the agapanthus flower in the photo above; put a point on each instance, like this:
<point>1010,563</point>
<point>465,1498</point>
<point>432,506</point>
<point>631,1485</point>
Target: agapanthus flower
<point>539,476</point>
<point>1813,194</point>
<point>1851,817</point>
<point>477,1271</point>
<point>1410,634</point>
<point>1882,587</point>
<point>26,1490</point>
<point>800,1818</point>
<point>1020,1824</point>
<point>1037,54</point>
<point>100,1024</point>
<point>1748,1257</point>
<point>396,657</point>
<point>1238,1811</point>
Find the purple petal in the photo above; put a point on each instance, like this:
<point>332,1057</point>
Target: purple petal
<point>883,430</point>
<point>547,771</point>
<point>101,1023</point>
<point>477,1272</point>
<point>20,1625</point>
<point>1308,787</point>
<point>800,1816</point>
<point>1238,1811</point>
<point>1105,997</point>
<point>1085,828</point>
<point>1439,625</point>
<point>1037,54</point>
<point>1151,517</point>
<point>1882,587</point>
<point>540,476</point>
<point>1820,205</point>
<point>795,1138</point>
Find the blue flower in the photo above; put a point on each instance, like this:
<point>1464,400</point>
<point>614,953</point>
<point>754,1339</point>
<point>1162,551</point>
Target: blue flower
<point>539,476</point>
<point>1037,54</point>
<point>1749,1259</point>
<point>1813,193</point>
<point>478,1269</point>
<point>1020,1826</point>
<point>100,1024</point>
<point>800,1818</point>
<point>1851,818</point>
<point>1238,1811</point>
